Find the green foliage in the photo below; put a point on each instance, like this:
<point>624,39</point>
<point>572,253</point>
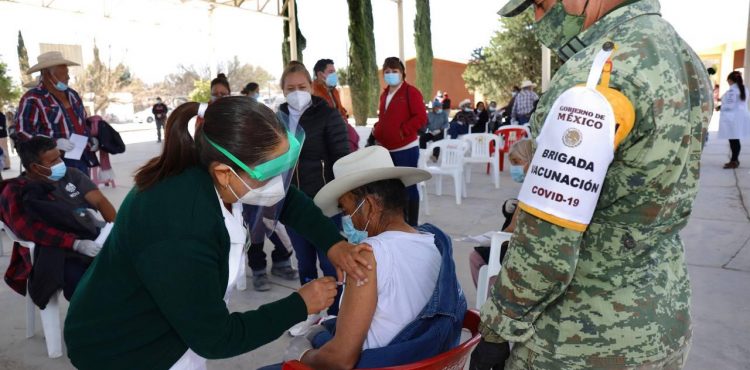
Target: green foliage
<point>343,74</point>
<point>513,55</point>
<point>239,74</point>
<point>9,92</point>
<point>202,91</point>
<point>373,62</point>
<point>23,59</point>
<point>359,55</point>
<point>286,44</point>
<point>423,41</point>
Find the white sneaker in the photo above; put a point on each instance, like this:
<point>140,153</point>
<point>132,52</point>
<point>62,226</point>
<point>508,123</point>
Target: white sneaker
<point>302,328</point>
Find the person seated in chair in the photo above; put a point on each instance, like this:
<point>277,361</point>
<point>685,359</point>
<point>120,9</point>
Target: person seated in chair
<point>412,306</point>
<point>54,207</point>
<point>464,119</point>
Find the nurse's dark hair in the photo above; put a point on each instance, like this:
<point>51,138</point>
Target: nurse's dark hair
<point>390,193</point>
<point>245,128</point>
<point>394,63</point>
<point>736,77</point>
<point>221,79</point>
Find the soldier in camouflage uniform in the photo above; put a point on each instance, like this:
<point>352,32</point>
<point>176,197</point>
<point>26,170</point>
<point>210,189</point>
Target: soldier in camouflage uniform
<point>616,296</point>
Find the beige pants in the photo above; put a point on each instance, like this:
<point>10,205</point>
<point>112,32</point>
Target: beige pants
<point>521,358</point>
<point>6,152</point>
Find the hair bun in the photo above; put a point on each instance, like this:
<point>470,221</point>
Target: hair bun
<point>221,76</point>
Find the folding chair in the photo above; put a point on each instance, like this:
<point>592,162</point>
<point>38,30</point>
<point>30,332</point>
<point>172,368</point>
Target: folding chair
<point>492,268</point>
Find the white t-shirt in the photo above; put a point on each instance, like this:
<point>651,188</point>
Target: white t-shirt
<point>390,95</point>
<point>407,271</point>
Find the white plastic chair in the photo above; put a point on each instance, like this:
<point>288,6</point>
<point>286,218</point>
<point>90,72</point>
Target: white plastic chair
<point>479,152</point>
<point>492,268</point>
<point>50,316</point>
<point>450,163</point>
<point>422,189</point>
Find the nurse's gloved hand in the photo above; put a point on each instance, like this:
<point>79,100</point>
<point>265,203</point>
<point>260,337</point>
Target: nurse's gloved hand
<point>318,294</point>
<point>347,259</point>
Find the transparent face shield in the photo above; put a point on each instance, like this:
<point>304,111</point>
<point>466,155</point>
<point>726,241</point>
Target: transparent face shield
<point>262,220</point>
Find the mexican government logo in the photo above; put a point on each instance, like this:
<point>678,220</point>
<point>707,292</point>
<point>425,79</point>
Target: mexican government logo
<point>572,137</point>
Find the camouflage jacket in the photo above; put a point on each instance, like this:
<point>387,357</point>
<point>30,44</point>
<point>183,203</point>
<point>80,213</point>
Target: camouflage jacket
<point>619,292</point>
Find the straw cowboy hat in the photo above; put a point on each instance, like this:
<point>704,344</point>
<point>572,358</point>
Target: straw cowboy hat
<point>527,83</point>
<point>50,59</point>
<point>362,167</point>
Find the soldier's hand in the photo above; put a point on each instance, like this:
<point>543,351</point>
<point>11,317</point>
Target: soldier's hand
<point>489,356</point>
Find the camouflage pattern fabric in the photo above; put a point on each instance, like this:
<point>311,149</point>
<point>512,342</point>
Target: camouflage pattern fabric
<point>616,296</point>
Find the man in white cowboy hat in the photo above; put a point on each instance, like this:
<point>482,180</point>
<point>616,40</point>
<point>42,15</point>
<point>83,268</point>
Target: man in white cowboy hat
<point>524,103</point>
<point>414,293</point>
<point>52,108</point>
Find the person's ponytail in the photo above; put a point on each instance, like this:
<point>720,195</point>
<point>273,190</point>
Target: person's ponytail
<point>178,153</point>
<point>736,77</point>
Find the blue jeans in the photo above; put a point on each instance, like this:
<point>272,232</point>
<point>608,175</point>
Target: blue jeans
<point>307,256</point>
<point>407,158</point>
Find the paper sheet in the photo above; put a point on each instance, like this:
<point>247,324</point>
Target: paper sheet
<point>104,233</point>
<point>80,142</point>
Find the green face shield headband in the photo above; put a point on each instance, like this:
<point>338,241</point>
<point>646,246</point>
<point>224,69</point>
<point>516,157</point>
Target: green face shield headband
<point>269,169</point>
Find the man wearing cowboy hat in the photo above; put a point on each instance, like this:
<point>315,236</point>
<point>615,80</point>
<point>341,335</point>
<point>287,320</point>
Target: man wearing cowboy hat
<point>524,103</point>
<point>52,108</point>
<point>610,289</point>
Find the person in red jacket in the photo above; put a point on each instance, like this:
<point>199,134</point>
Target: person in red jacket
<point>402,113</point>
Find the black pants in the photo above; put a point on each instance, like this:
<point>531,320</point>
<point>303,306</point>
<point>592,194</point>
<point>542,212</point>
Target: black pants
<point>427,137</point>
<point>256,257</point>
<point>734,146</point>
<point>159,125</point>
<point>73,272</point>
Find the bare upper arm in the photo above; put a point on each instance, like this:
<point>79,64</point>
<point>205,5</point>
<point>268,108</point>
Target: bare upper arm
<point>353,322</point>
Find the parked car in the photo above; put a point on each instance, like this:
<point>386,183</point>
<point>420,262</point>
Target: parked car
<point>144,116</point>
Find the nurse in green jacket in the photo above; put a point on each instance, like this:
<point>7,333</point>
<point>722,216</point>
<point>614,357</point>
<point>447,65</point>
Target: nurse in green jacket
<point>154,297</point>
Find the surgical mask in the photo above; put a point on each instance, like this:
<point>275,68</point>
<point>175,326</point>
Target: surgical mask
<point>516,173</point>
<point>557,27</point>
<point>492,109</point>
<point>265,196</point>
<point>514,93</point>
<point>255,96</point>
<point>299,100</point>
<point>59,85</point>
<point>58,171</point>
<point>353,235</point>
<point>332,79</point>
<point>480,109</point>
<point>392,78</point>
<point>467,109</point>
<point>439,111</point>
<point>214,98</point>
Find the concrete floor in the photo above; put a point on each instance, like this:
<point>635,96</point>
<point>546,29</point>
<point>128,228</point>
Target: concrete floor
<point>716,239</point>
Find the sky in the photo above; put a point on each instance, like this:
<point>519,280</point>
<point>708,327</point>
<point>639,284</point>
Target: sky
<point>153,37</point>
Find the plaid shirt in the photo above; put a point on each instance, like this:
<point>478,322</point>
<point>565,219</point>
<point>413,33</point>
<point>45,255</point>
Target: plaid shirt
<point>13,216</point>
<point>41,113</point>
<point>524,103</point>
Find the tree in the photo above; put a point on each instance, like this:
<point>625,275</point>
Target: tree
<point>201,92</point>
<point>373,63</point>
<point>513,55</point>
<point>423,41</point>
<point>23,59</point>
<point>9,92</point>
<point>239,74</point>
<point>359,54</point>
<point>286,44</point>
<point>182,83</point>
<point>101,80</point>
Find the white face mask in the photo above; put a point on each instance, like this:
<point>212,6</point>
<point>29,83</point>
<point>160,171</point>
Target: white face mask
<point>265,196</point>
<point>299,100</point>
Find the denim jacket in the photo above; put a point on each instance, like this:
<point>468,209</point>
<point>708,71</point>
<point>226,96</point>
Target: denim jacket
<point>437,328</point>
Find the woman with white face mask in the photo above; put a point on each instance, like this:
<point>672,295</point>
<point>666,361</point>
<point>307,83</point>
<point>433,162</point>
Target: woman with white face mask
<point>155,296</point>
<point>326,140</point>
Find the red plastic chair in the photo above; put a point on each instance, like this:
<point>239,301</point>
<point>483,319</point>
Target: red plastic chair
<point>510,135</point>
<point>453,359</point>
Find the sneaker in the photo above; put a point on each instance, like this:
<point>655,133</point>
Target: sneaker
<point>260,283</point>
<point>304,327</point>
<point>285,272</point>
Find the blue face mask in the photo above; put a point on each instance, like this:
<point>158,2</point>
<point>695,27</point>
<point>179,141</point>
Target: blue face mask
<point>517,174</point>
<point>392,79</point>
<point>332,79</point>
<point>439,111</point>
<point>58,171</point>
<point>353,235</point>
